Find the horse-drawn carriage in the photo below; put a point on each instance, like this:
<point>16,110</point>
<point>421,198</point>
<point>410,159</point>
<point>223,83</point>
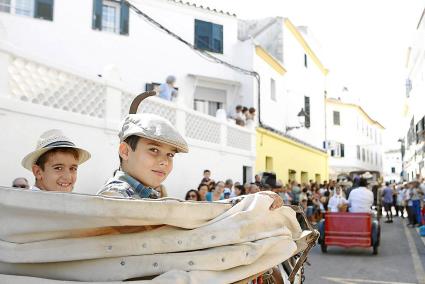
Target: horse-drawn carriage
<point>347,230</point>
<point>49,237</point>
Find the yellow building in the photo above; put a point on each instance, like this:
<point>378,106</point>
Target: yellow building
<point>291,157</point>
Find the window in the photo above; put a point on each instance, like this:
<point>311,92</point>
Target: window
<point>307,111</point>
<point>110,16</point>
<point>358,152</point>
<point>305,61</point>
<point>304,177</point>
<point>393,170</point>
<point>337,149</point>
<point>336,118</point>
<point>246,174</point>
<point>363,155</point>
<point>207,107</point>
<point>269,164</point>
<point>42,9</point>
<point>208,36</point>
<point>24,7</point>
<point>209,100</point>
<point>272,89</point>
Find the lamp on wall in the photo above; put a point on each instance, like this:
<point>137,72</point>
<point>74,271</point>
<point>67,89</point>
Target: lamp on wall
<point>301,120</point>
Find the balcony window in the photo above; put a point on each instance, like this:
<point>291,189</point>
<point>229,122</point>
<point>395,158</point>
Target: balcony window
<point>110,16</point>
<point>208,36</point>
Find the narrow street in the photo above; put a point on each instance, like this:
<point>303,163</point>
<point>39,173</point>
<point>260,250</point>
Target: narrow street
<point>400,260</point>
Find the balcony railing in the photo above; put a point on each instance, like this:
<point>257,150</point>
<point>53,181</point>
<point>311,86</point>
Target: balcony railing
<point>91,100</point>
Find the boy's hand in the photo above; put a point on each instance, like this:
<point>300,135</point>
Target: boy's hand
<point>277,200</point>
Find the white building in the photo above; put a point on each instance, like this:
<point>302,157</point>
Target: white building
<point>354,139</point>
<point>413,135</point>
<point>76,65</point>
<point>281,53</point>
<point>392,165</point>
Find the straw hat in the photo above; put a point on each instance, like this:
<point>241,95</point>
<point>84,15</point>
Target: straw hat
<point>153,127</point>
<point>49,140</point>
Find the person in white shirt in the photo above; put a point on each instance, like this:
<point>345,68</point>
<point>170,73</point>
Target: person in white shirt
<point>361,198</point>
<point>337,200</point>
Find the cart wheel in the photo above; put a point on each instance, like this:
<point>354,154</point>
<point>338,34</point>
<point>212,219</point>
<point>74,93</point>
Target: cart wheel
<point>324,248</point>
<point>375,249</point>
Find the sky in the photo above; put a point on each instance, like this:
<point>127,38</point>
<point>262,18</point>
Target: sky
<point>363,43</point>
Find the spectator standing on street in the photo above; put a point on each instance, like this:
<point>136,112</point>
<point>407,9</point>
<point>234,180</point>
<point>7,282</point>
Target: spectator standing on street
<point>387,196</point>
<point>400,200</point>
<point>167,90</point>
<point>20,182</point>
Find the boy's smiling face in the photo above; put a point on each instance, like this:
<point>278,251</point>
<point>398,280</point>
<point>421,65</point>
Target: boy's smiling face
<point>150,163</point>
<point>59,172</point>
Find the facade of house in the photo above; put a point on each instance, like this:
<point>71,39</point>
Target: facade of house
<point>413,135</point>
<point>285,61</point>
<point>76,65</point>
<point>392,165</point>
<point>354,139</point>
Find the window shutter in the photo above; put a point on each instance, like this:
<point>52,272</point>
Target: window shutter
<point>124,18</point>
<point>307,111</point>
<point>43,9</point>
<point>217,38</point>
<point>202,35</point>
<point>342,150</point>
<point>97,15</point>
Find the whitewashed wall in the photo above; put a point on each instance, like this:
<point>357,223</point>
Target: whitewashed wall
<point>146,55</point>
<point>392,159</point>
<point>35,97</point>
<point>352,132</point>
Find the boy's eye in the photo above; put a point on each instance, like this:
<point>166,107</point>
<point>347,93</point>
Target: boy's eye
<point>74,169</point>
<point>170,155</point>
<point>155,150</point>
<point>58,168</point>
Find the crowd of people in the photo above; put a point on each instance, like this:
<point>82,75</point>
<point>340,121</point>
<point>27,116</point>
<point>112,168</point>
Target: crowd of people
<point>405,199</point>
<point>243,115</point>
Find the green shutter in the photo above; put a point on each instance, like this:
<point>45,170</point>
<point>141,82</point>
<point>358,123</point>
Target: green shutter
<point>124,17</point>
<point>217,35</point>
<point>97,15</point>
<point>43,9</point>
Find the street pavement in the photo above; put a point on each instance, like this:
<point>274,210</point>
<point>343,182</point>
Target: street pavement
<point>400,260</point>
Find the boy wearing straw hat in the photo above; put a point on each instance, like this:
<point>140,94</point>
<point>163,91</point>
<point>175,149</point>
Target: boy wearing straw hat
<point>54,162</point>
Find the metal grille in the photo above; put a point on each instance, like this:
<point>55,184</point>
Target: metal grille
<point>238,139</point>
<point>202,129</point>
<point>39,84</point>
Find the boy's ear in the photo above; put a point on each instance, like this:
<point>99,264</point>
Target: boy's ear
<point>123,151</point>
<point>36,170</point>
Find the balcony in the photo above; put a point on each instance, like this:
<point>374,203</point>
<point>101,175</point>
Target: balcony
<point>34,86</point>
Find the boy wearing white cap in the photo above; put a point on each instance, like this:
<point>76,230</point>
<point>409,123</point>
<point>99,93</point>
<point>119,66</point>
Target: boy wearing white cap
<point>148,145</point>
<point>54,162</point>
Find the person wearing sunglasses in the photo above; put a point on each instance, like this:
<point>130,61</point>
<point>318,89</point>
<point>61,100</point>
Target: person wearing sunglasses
<point>20,182</point>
